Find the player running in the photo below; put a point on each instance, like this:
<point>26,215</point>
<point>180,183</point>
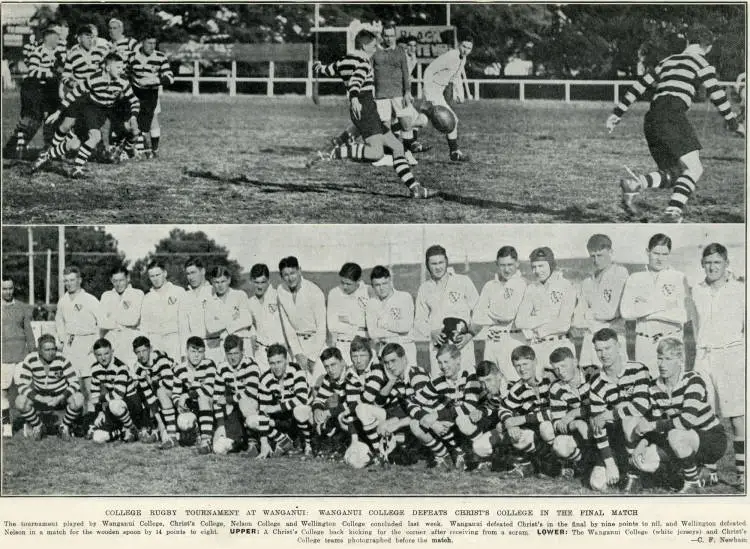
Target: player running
<point>671,138</point>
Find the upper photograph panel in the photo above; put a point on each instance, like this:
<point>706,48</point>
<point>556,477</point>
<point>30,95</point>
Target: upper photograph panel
<point>373,113</point>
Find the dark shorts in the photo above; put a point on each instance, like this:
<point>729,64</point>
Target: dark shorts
<point>148,99</point>
<point>369,122</point>
<point>136,409</point>
<point>38,99</point>
<point>234,424</point>
<point>669,133</point>
<point>88,115</point>
<point>447,413</point>
<point>395,410</point>
<point>713,444</point>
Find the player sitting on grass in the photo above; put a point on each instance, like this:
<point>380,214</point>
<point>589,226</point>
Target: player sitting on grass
<point>439,404</point>
<point>284,405</point>
<point>356,71</point>
<point>681,425</point>
<point>115,398</point>
<point>568,397</point>
<point>47,381</point>
<point>387,398</point>
<point>619,398</point>
<point>331,411</point>
<point>195,395</point>
<point>89,104</point>
<point>670,137</point>
<point>154,371</point>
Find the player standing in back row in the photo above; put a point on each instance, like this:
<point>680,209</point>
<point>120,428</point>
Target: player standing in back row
<point>670,136</point>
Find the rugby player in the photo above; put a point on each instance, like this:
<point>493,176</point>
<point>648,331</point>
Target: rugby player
<point>161,320</point>
<point>346,307</point>
<point>47,381</point>
<point>332,413</point>
<point>82,62</point>
<point>121,313</point>
<point>671,138</point>
<point>264,308</point>
<point>193,308</point>
<point>227,311</point>
<point>124,47</point>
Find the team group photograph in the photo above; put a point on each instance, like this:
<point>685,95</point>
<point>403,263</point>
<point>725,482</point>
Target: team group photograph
<point>409,113</point>
<point>490,358</point>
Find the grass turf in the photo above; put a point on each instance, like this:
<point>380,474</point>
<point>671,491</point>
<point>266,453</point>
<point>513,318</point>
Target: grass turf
<point>242,160</point>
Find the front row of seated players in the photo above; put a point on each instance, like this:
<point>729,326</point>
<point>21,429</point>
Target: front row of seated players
<point>616,427</point>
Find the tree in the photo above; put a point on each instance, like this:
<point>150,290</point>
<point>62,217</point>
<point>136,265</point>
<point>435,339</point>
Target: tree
<point>177,248</point>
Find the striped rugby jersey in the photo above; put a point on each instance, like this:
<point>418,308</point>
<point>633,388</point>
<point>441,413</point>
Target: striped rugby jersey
<point>290,391</point>
<point>630,388</point>
<point>41,63</point>
<point>355,386</point>
<point>401,392</point>
<point>684,407</point>
<point>81,64</point>
<point>148,71</point>
<point>195,380</point>
<point>490,405</point>
<point>527,400</point>
<point>356,72</point>
<point>103,90</point>
<point>441,392</point>
<point>233,384</point>
<point>158,372</point>
<point>330,387</point>
<point>124,47</point>
<point>565,397</point>
<point>677,76</point>
<point>56,379</point>
<point>114,381</point>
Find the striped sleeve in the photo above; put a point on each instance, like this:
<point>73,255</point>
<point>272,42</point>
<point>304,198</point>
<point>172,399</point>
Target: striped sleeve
<point>427,397</point>
<point>165,72</point>
<point>695,412</point>
<point>374,383</point>
<point>634,93</point>
<point>146,390</point>
<point>265,392</point>
<point>26,380</point>
<point>357,80</point>
<point>707,76</point>
<point>249,376</point>
<point>220,387</point>
<point>135,104</point>
<point>557,403</point>
<point>121,383</point>
<point>78,91</point>
<point>96,396</point>
<point>598,402</point>
<point>178,387</point>
<point>640,402</point>
<point>353,389</point>
<point>300,391</point>
<point>208,379</point>
<point>164,371</point>
<point>471,396</point>
<point>324,392</point>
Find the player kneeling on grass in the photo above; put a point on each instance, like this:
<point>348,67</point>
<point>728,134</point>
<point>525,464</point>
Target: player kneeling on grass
<point>283,406</point>
<point>89,104</point>
<point>619,399</point>
<point>356,71</point>
<point>114,397</point>
<point>154,371</point>
<point>568,396</point>
<point>440,403</point>
<point>681,425</point>
<point>387,399</point>
<point>331,412</point>
<point>237,392</point>
<point>47,381</point>
<point>194,396</point>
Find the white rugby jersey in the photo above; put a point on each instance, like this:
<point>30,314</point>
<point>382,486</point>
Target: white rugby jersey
<point>121,310</point>
<point>548,306</point>
<point>443,70</point>
<point>78,314</point>
<point>228,314</point>
<point>454,295</point>
<point>303,315</point>
<point>194,307</point>
<point>266,318</point>
<point>599,298</point>
<point>346,312</point>
<point>655,296</point>
<point>391,319</point>
<point>721,313</point>
<point>160,313</point>
<point>499,301</point>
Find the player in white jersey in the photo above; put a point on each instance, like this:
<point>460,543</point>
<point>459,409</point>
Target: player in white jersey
<point>720,344</point>
<point>390,315</point>
<point>446,71</point>
<point>161,320</point>
<point>655,299</point>
<point>599,299</point>
<point>121,314</point>
<point>497,309</point>
<point>197,295</point>
<point>346,308</point>
<point>443,309</point>
<point>228,311</point>
<point>264,308</point>
<point>547,309</point>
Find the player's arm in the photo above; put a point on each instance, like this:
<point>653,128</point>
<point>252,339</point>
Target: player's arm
<point>630,97</point>
<point>607,310</point>
<point>561,323</point>
<point>373,322</point>
<point>60,323</point>
<point>405,79</point>
<point>717,95</point>
<point>166,77</point>
<point>337,321</point>
<point>300,393</point>
<point>634,304</point>
<point>135,105</point>
<point>404,324</point>
<point>674,308</point>
<point>131,316</point>
<point>319,314</point>
<point>25,381</point>
<point>292,340</point>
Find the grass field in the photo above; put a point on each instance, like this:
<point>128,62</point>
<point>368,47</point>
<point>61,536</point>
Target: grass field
<point>242,160</point>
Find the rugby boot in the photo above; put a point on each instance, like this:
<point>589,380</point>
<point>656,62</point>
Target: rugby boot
<point>630,187</point>
<point>283,447</point>
<point>459,156</point>
<point>522,469</point>
<point>672,214</point>
<point>692,487</point>
<point>419,191</point>
<point>204,448</point>
<point>77,173</point>
<point>41,160</point>
<point>63,431</point>
<point>632,484</point>
<point>419,147</point>
<point>168,444</point>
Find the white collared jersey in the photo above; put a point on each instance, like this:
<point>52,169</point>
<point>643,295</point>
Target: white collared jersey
<point>721,313</point>
<point>550,303</point>
<point>81,64</point>
<point>600,296</point>
<point>266,318</point>
<point>391,319</point>
<point>34,377</point>
<point>655,295</point>
<point>346,312</point>
<point>228,314</point>
<point>121,310</point>
<point>454,295</point>
<point>161,310</point>
<point>499,301</point>
<point>444,70</point>
<point>78,315</point>
<point>193,309</point>
<point>303,313</point>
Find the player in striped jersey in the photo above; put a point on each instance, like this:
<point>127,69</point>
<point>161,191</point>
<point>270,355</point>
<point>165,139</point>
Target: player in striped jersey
<point>671,138</point>
<point>355,70</point>
<point>331,412</point>
<point>82,62</point>
<point>681,423</point>
<point>148,68</point>
<point>619,398</point>
<point>195,395</point>
<point>124,47</point>
<point>38,93</point>
<point>438,405</point>
<point>569,410</point>
<point>89,103</point>
<point>387,398</point>
<point>114,397</point>
<point>237,393</point>
<point>284,405</point>
<point>153,370</point>
<point>47,381</point>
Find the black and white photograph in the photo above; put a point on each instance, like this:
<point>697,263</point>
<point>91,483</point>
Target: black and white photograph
<point>365,360</point>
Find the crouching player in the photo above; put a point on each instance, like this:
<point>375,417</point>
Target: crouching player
<point>681,423</point>
<point>331,412</point>
<point>387,398</point>
<point>154,372</point>
<point>115,398</point>
<point>568,396</point>
<point>283,405</point>
<point>194,396</point>
<point>237,392</point>
<point>439,404</point>
<point>47,381</point>
<point>619,399</point>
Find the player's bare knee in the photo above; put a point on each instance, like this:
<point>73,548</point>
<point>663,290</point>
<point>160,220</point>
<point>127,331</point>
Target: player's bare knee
<point>253,422</point>
<point>581,427</point>
<point>564,446</point>
<point>417,430</point>
<point>547,431</point>
<point>75,401</point>
<point>204,403</point>
<point>681,443</point>
<point>94,137</point>
<point>117,406</point>
<point>628,428</point>
<point>23,404</point>
<point>302,413</point>
<point>482,446</point>
<point>465,425</point>
<point>598,478</point>
<point>525,440</point>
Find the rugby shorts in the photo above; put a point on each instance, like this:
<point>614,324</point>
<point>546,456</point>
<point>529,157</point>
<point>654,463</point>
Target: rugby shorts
<point>668,132</point>
<point>369,122</point>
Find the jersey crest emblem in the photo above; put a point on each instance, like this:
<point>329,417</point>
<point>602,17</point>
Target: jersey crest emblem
<point>454,297</point>
<point>396,314</point>
<point>556,296</point>
<point>508,293</point>
<point>236,312</point>
<point>172,300</point>
<point>126,305</point>
<point>77,307</point>
<point>273,307</point>
<point>668,289</point>
<point>607,295</point>
<point>362,301</point>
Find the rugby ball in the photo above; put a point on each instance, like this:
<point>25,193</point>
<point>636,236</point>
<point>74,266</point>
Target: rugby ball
<point>186,421</point>
<point>357,455</point>
<point>442,119</point>
<point>223,445</point>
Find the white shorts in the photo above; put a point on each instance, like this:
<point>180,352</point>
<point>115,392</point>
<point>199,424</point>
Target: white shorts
<point>80,353</point>
<point>167,343</point>
<point>434,94</point>
<point>724,373</point>
<point>499,351</point>
<point>394,107</point>
<point>8,371</point>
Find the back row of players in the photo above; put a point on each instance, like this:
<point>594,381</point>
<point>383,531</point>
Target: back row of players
<point>527,351</point>
<point>72,92</point>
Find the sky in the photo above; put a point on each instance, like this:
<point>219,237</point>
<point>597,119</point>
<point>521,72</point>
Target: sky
<point>327,247</point>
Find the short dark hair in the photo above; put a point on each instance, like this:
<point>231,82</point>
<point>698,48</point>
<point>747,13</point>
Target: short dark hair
<point>219,271</point>
<point>83,29</point>
<point>48,31</point>
<point>194,262</point>
<point>659,239</point>
<point>330,352</point>
<point>290,262</point>
<point>599,242</point>
<point>360,343</point>
<point>522,352</point>
<point>102,343</point>
<point>391,348</point>
<point>487,367</point>
<point>351,271</point>
<point>363,37</point>
<point>435,249</point>
<point>605,334</point>
<point>276,349</point>
<point>45,338</point>
<point>507,251</point>
<point>449,349</point>
<point>379,272</point>
<point>258,270</point>
<point>120,269</point>
<point>700,34</point>
<point>111,57</point>
<point>155,263</point>
<point>7,277</point>
<point>196,342</point>
<point>233,341</point>
<point>715,248</point>
<point>560,354</point>
<point>465,36</point>
<point>73,269</point>
<point>141,341</point>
